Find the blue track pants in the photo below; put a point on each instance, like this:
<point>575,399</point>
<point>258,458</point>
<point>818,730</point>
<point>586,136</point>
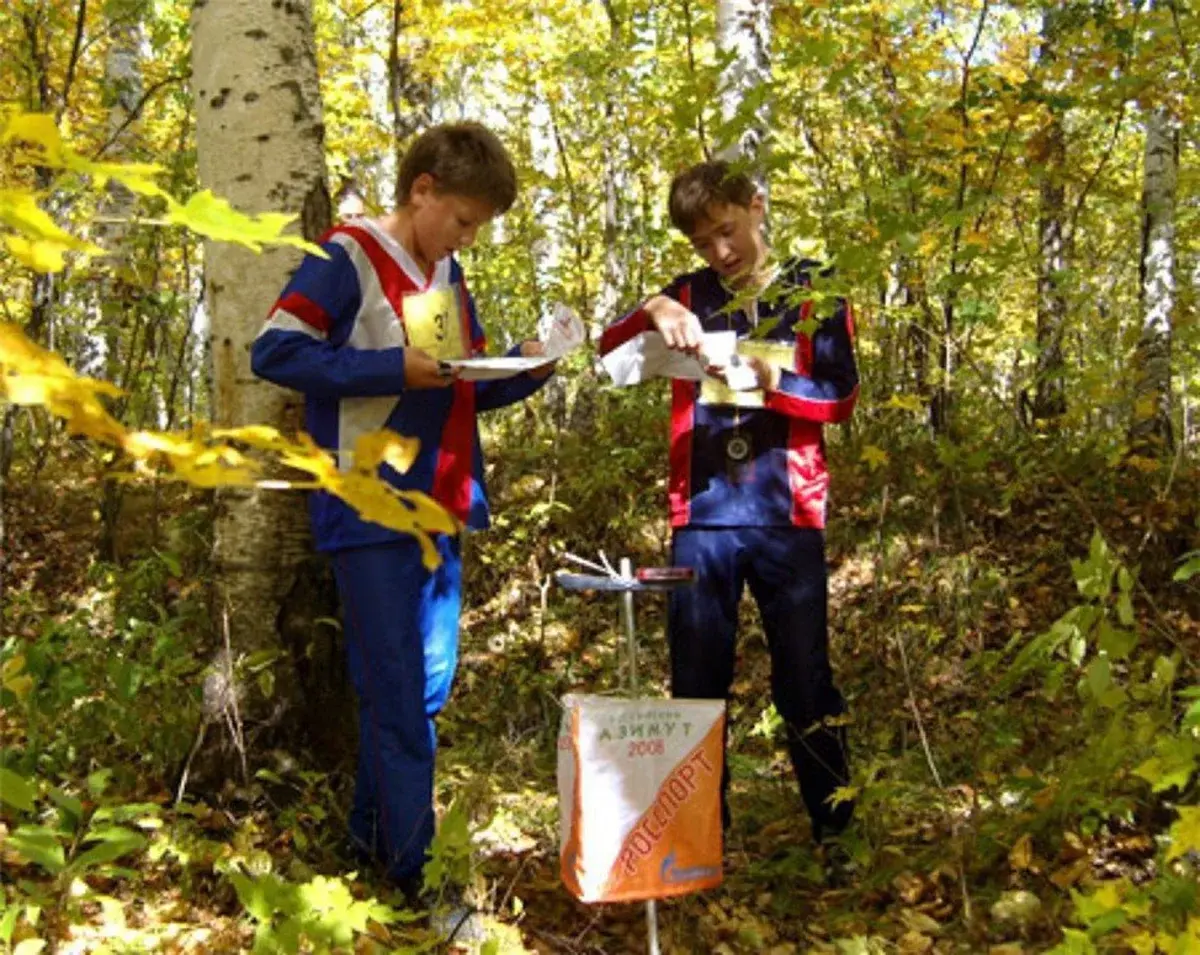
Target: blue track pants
<point>785,570</point>
<point>401,629</point>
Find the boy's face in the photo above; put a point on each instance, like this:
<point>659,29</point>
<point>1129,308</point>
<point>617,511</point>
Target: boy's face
<point>729,238</point>
<point>444,222</point>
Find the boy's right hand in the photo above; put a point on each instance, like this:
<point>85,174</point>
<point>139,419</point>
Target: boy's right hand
<point>422,370</point>
<point>679,326</point>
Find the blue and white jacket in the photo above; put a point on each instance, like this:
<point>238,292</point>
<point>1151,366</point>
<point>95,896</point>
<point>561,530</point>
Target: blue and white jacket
<point>338,333</point>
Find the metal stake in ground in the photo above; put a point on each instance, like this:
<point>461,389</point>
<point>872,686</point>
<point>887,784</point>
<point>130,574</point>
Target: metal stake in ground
<point>631,646</point>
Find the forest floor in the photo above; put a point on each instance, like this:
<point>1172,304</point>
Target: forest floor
<point>985,812</point>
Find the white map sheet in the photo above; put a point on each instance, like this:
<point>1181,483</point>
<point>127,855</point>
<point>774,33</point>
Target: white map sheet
<point>560,332</point>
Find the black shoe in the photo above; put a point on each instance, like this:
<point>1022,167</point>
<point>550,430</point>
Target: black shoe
<point>355,853</point>
<point>837,864</point>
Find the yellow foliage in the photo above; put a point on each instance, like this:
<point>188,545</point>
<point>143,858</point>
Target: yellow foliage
<point>1185,834</point>
<point>40,243</point>
<point>31,375</point>
<point>874,457</point>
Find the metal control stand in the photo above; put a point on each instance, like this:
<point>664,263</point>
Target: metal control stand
<point>627,583</point>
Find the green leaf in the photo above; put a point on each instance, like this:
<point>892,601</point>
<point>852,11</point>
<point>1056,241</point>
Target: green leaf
<point>1094,576</point>
<point>8,923</point>
<point>1191,719</point>
<point>261,659</point>
<point>17,791</point>
<point>1172,765</point>
<point>29,946</point>
<point>98,781</point>
<point>1190,568</point>
<point>69,804</point>
<point>115,842</point>
<point>1118,644</point>
<point>171,562</point>
<point>1125,610</point>
<point>39,845</point>
<point>1074,942</point>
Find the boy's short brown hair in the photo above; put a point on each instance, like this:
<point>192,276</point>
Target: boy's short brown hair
<point>466,159</point>
<point>707,184</point>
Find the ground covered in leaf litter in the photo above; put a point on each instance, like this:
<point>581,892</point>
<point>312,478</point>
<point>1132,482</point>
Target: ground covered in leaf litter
<point>926,882</point>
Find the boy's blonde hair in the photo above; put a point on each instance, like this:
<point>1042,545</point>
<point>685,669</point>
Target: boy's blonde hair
<point>466,159</point>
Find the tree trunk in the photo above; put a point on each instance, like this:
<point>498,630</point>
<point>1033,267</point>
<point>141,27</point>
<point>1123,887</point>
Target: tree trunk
<point>1049,154</point>
<point>118,289</point>
<point>744,35</point>
<point>1150,431</point>
<point>405,88</point>
<point>260,141</point>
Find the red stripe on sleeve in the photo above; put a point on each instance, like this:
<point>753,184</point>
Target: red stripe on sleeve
<point>305,309</point>
<point>683,425</point>
<point>804,348</point>
<point>623,330</point>
<point>826,412</point>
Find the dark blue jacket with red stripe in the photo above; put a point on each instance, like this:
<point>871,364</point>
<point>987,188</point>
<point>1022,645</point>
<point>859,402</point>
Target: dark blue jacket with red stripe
<point>783,480</point>
<point>338,334</point>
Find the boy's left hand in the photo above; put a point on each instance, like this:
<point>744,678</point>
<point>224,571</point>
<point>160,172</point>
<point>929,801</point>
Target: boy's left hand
<point>767,373</point>
<point>533,348</point>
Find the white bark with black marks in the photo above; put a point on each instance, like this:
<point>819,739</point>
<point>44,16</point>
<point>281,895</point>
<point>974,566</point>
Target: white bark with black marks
<point>260,140</point>
<point>1151,429</point>
<point>744,35</point>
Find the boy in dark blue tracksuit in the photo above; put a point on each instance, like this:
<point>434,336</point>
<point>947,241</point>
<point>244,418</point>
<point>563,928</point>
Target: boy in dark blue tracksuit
<point>748,480</point>
<point>361,334</point>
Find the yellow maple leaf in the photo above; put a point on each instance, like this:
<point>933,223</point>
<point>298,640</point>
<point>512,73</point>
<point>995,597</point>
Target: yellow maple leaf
<point>874,457</point>
<point>212,216</point>
<point>37,128</point>
<point>20,212</point>
<point>911,403</point>
<point>1185,833</point>
<point>31,375</point>
<point>385,447</point>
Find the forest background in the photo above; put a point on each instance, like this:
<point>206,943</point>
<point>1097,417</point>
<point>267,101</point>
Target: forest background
<point>1009,194</point>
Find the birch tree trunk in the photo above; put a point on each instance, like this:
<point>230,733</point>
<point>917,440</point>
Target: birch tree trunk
<point>744,35</point>
<point>260,142</point>
<point>1049,153</point>
<point>119,290</point>
<point>1150,431</point>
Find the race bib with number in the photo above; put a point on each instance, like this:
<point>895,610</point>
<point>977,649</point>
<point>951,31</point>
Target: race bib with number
<point>433,323</point>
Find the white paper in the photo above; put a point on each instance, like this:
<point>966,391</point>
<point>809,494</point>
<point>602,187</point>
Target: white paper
<point>647,356</point>
<point>560,333</point>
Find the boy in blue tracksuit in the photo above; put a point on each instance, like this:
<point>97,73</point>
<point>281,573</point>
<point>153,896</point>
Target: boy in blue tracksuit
<point>748,481</point>
<point>361,335</point>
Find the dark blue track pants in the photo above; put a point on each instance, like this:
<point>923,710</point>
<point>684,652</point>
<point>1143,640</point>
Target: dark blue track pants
<point>401,629</point>
<point>785,570</point>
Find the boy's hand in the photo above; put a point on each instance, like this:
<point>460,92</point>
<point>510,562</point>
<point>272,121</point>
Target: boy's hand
<point>422,370</point>
<point>531,349</point>
<point>679,326</point>
<point>767,373</point>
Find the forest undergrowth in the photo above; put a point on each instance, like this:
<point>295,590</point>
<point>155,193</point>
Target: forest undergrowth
<point>1016,634</point>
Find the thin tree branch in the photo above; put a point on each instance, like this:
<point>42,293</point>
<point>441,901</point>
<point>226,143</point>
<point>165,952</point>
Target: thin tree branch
<point>135,113</point>
<point>69,80</point>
